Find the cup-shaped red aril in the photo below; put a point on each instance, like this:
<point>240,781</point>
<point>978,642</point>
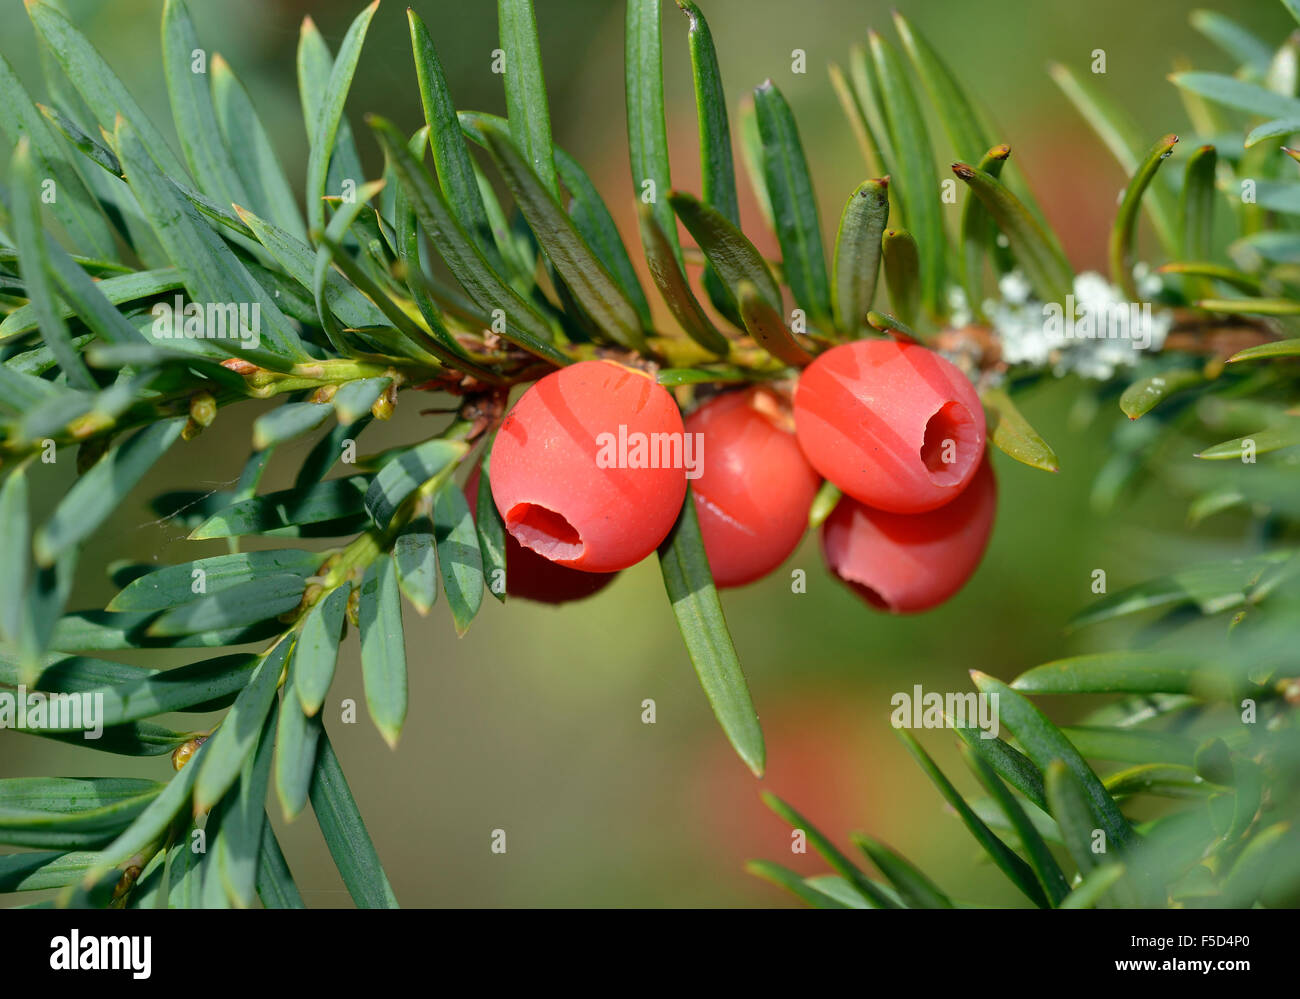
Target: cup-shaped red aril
<point>894,425</point>
<point>756,487</point>
<point>531,577</point>
<point>904,563</point>
<point>589,467</point>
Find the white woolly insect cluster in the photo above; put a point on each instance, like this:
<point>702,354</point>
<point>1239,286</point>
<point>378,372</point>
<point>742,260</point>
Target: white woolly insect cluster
<point>1093,333</point>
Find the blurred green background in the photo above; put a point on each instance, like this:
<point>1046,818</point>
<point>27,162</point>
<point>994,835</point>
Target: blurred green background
<point>532,722</point>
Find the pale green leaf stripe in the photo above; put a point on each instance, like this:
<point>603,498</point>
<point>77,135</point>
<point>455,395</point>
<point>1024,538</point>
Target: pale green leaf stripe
<point>584,274</point>
<point>212,273</point>
<point>647,128</point>
<point>94,496</point>
<point>296,737</point>
<point>1043,743</point>
<point>330,113</point>
<point>275,886</point>
<point>524,326</point>
<point>192,111</point>
<point>526,103</point>
<point>34,262</point>
<point>99,86</point>
<point>383,648</point>
<point>152,824</point>
<point>673,287</point>
<point>117,290</point>
<point>299,262</point>
<point>451,158</point>
<point>857,255</point>
<point>794,206</point>
<point>417,563</point>
<point>15,531</point>
<point>695,603</point>
<point>269,191</point>
<point>403,475</point>
<point>597,226</point>
<point>242,823</point>
<point>345,834</point>
<point>316,655</point>
<point>239,730</point>
<point>459,560</point>
<point>74,206</point>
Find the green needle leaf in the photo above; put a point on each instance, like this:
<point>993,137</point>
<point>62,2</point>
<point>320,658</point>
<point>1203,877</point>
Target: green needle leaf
<point>902,273</point>
<point>1043,742</point>
<point>918,891</point>
<point>592,285</point>
<point>1145,394</point>
<point>857,255</point>
<point>383,648</point>
<point>288,510</point>
<point>1012,433</point>
<point>979,233</point>
<point>417,564</point>
<point>238,735</point>
<point>673,287</point>
<point>296,736</point>
<point>1043,262</point>
<point>459,559</point>
<point>768,329</point>
<point>345,834</point>
<point>841,864</point>
<point>243,823</point>
<point>794,206</point>
<point>491,532</point>
<point>647,129</point>
<point>325,129</point>
<point>402,476</point>
<point>689,583</point>
<point>1125,226</point>
<point>317,651</point>
<point>785,878</point>
<point>526,104</point>
<point>102,489</point>
<point>731,253</point>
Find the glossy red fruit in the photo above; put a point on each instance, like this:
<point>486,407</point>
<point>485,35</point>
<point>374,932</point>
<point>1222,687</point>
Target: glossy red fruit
<point>906,563</point>
<point>588,469</point>
<point>894,425</point>
<point>756,487</point>
<point>531,577</point>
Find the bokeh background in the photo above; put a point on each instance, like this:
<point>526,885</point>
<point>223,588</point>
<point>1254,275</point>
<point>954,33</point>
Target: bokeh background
<point>531,723</point>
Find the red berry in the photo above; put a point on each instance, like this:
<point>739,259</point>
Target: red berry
<point>892,424</point>
<point>531,577</point>
<point>905,563</point>
<point>756,487</point>
<point>588,468</point>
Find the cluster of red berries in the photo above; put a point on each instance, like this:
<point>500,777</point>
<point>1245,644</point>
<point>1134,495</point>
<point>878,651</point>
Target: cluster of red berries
<point>590,469</point>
